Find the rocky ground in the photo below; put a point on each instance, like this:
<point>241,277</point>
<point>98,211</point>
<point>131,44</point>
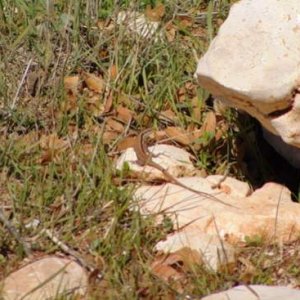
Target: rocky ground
<point>81,217</point>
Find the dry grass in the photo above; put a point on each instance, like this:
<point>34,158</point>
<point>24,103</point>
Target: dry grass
<point>76,193</point>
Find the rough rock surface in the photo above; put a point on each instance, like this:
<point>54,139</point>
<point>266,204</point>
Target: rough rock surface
<point>254,64</point>
<point>264,293</point>
<point>176,160</point>
<point>268,212</point>
<point>211,250</point>
<point>45,279</point>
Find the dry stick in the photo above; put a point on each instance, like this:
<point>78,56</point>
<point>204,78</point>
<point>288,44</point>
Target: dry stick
<point>277,213</point>
<point>21,84</point>
<point>65,248</point>
<point>144,159</point>
<point>14,232</point>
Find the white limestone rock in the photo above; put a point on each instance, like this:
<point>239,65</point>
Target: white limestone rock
<point>254,64</point>
<point>212,251</point>
<point>264,292</point>
<point>175,160</point>
<point>268,212</point>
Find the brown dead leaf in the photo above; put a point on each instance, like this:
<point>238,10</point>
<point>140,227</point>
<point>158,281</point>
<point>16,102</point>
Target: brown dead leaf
<point>52,142</point>
<point>221,130</point>
<point>181,94</point>
<point>179,135</point>
<point>155,14</point>
<point>249,270</point>
<point>105,25</point>
<point>113,72</point>
<point>73,130</point>
<point>87,149</point>
<point>109,136</point>
<point>28,140</point>
<point>210,122</point>
<point>52,146</point>
<point>185,21</point>
<point>71,84</point>
<point>168,267</point>
<point>199,31</point>
<point>108,103</point>
<point>197,108</point>
<point>168,115</point>
<point>160,135</point>
<point>113,125</point>
<point>103,53</point>
<point>124,114</point>
<point>126,143</point>
<point>209,125</point>
<point>93,82</point>
<point>170,32</point>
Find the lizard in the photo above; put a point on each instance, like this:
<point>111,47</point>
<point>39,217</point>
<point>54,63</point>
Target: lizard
<point>144,158</point>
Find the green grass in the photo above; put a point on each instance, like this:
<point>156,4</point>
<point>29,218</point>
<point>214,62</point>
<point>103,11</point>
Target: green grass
<point>76,194</point>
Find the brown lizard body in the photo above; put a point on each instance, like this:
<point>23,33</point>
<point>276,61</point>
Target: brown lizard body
<point>145,159</point>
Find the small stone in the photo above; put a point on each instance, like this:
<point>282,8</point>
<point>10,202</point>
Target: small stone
<point>213,252</point>
<point>175,160</point>
<point>45,279</point>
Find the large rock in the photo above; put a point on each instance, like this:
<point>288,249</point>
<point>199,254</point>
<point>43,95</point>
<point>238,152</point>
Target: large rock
<point>268,212</point>
<point>254,64</point>
<point>210,229</point>
<point>255,292</point>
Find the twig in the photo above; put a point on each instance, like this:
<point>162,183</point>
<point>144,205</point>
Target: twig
<point>21,84</point>
<point>65,248</point>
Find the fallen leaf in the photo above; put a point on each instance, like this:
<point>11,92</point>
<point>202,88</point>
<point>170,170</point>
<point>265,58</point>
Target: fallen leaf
<point>210,122</point>
<point>169,269</point>
<point>208,126</point>
<point>168,115</point>
<point>113,125</point>
<point>170,32</point>
<point>155,14</point>
<point>52,142</point>
<point>93,82</point>
<point>197,108</point>
<point>94,104</point>
<point>109,136</point>
<point>125,143</point>
<point>52,146</point>
<point>179,135</point>
<point>221,131</point>
<point>184,21</point>
<point>181,94</point>
<point>28,140</point>
<point>108,103</point>
<point>248,272</point>
<point>113,72</point>
<point>71,84</point>
<point>124,114</point>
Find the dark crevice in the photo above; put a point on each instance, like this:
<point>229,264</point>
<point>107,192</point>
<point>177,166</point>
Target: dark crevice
<point>280,112</point>
<point>263,163</point>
